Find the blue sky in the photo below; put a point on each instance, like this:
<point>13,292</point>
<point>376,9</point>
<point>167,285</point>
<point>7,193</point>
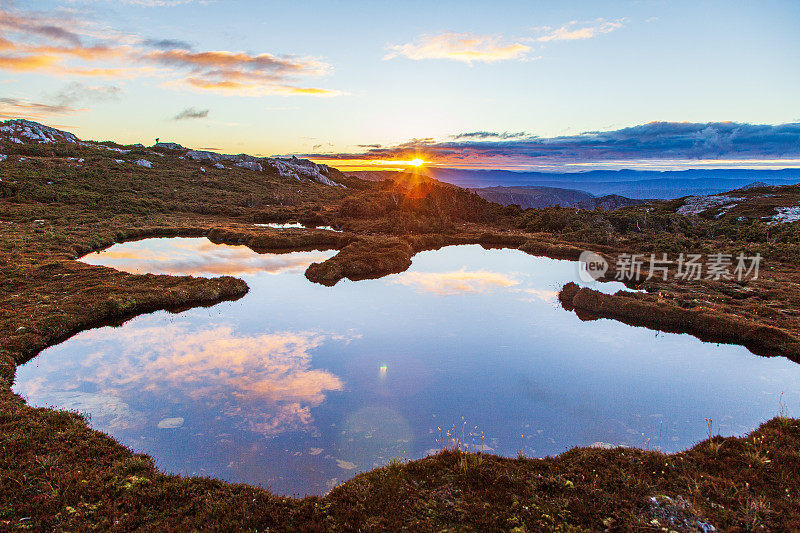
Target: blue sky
<point>328,77</point>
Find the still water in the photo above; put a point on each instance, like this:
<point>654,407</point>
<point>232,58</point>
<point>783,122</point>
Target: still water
<point>297,387</point>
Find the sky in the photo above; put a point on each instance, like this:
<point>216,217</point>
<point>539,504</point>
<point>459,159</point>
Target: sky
<point>538,85</point>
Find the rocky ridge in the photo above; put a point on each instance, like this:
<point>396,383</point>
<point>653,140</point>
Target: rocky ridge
<point>22,131</point>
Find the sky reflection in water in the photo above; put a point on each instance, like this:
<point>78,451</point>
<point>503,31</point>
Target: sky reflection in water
<point>297,386</point>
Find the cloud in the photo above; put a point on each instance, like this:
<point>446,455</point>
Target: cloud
<point>166,44</point>
<point>489,135</point>
<point>50,44</point>
<point>201,257</point>
<point>243,73</point>
<point>456,282</point>
<point>468,47</point>
<point>191,113</point>
<point>648,142</point>
<point>75,93</point>
<point>464,47</point>
<point>64,102</point>
<point>264,383</point>
<point>38,25</point>
<point>14,107</point>
<point>581,30</point>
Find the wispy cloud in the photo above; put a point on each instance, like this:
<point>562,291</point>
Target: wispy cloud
<point>15,107</point>
<point>78,93</point>
<point>465,47</point>
<point>469,48</point>
<point>166,44</point>
<point>191,113</point>
<point>490,135</point>
<point>66,101</point>
<point>580,30</point>
<point>730,141</point>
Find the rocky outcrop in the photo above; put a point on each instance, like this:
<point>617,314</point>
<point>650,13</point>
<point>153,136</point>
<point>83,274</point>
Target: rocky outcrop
<point>694,205</point>
<point>20,131</point>
<point>303,169</point>
<point>300,169</point>
<point>251,165</point>
<point>169,146</point>
<point>144,163</point>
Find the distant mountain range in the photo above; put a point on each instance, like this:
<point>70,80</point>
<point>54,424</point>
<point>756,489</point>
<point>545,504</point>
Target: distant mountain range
<point>538,197</point>
<point>636,184</point>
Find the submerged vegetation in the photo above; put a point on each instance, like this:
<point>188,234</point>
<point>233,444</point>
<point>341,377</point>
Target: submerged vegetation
<point>60,475</point>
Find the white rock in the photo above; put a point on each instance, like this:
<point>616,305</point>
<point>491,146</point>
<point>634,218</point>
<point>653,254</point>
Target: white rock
<point>303,168</point>
<point>35,132</point>
<point>144,163</point>
<point>3,157</point>
<point>786,215</point>
<point>252,165</point>
<point>694,205</point>
<point>170,146</point>
<point>219,165</point>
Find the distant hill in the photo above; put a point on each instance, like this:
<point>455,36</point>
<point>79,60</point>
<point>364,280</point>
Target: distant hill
<point>637,184</point>
<point>538,197</point>
<point>532,196</point>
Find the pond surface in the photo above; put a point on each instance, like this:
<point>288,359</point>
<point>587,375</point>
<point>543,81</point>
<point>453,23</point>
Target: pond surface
<point>297,387</point>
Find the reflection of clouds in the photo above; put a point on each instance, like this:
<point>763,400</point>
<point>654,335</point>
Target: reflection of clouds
<point>193,256</point>
<point>263,382</point>
<point>455,282</point>
<point>541,294</point>
<point>111,410</point>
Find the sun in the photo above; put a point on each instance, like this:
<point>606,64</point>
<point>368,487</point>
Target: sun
<point>416,162</point>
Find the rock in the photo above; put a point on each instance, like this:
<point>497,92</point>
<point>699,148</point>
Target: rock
<point>169,146</point>
<point>219,165</point>
<point>786,215</point>
<point>120,150</point>
<point>144,163</point>
<point>3,157</point>
<point>302,169</point>
<point>251,165</point>
<point>694,205</point>
<point>202,155</point>
<point>34,132</point>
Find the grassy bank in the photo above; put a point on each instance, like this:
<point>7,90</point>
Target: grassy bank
<point>58,474</point>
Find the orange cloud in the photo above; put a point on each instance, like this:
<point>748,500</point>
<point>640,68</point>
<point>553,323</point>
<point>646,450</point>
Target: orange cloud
<point>455,282</point>
<point>460,47</point>
<point>263,382</point>
<point>228,72</point>
<point>25,63</point>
